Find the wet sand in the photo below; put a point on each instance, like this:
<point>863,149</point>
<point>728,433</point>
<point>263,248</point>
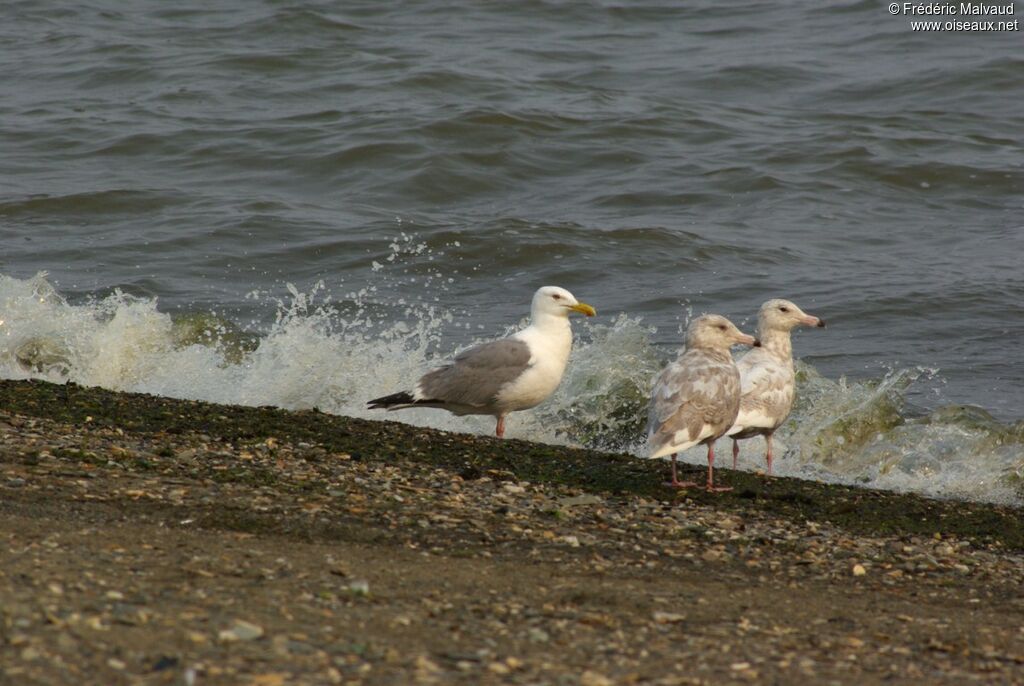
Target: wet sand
<point>156,541</point>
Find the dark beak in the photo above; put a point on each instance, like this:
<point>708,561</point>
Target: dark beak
<point>821,323</point>
<point>757,343</point>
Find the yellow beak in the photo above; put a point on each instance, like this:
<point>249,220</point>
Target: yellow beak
<point>583,308</point>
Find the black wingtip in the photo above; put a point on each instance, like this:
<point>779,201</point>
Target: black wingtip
<point>402,398</point>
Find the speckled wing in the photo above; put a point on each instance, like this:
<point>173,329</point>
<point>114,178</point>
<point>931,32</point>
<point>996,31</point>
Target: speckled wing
<point>475,377</point>
<point>766,393</point>
<point>693,399</point>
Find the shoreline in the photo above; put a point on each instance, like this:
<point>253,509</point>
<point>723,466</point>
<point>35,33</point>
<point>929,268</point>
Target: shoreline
<point>152,540</point>
<point>860,509</point>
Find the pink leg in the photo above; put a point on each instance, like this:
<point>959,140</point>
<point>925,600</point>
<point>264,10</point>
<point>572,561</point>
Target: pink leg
<point>768,455</point>
<point>711,471</point>
<point>499,430</point>
<point>735,452</point>
<point>676,483</point>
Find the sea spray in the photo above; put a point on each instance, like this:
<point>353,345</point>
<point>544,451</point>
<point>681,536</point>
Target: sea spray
<point>602,401</point>
<point>860,433</point>
<point>335,353</point>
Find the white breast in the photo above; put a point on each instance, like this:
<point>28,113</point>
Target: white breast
<point>550,354</point>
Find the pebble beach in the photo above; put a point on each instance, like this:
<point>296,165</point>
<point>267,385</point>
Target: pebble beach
<point>157,541</point>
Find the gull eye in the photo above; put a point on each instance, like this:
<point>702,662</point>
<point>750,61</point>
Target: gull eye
<point>721,327</point>
<point>783,309</point>
<point>556,296</point>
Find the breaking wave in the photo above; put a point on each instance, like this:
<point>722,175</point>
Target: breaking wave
<point>336,354</point>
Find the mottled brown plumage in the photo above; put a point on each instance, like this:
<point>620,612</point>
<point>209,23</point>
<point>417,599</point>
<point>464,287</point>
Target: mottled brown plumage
<point>696,398</point>
<point>767,377</point>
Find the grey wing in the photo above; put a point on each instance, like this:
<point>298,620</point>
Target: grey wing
<point>476,375</point>
<point>688,397</point>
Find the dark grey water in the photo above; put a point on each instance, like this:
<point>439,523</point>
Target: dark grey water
<point>432,164</point>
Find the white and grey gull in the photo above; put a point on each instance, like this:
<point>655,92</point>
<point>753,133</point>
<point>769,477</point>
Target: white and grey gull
<point>506,375</point>
<point>767,377</point>
<point>696,398</point>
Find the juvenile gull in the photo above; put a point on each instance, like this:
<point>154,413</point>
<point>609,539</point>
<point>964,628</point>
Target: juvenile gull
<point>767,379</point>
<point>507,375</point>
<point>697,397</point>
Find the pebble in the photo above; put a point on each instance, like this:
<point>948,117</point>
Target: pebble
<point>538,635</point>
<point>585,499</point>
<point>427,671</point>
<point>499,668</point>
<point>591,678</point>
<point>241,630</point>
<point>668,617</point>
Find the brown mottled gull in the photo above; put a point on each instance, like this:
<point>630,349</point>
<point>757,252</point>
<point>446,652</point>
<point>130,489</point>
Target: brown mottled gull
<point>767,379</point>
<point>507,375</point>
<point>696,398</point>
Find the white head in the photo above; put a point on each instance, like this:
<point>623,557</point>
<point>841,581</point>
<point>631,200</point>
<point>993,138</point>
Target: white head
<point>557,302</point>
<point>783,315</point>
<point>715,332</point>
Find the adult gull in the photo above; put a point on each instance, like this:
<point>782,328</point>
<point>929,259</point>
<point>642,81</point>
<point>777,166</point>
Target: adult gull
<point>767,378</point>
<point>507,375</point>
<point>697,397</point>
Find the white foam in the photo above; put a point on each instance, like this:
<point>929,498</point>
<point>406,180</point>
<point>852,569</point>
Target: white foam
<point>314,356</point>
